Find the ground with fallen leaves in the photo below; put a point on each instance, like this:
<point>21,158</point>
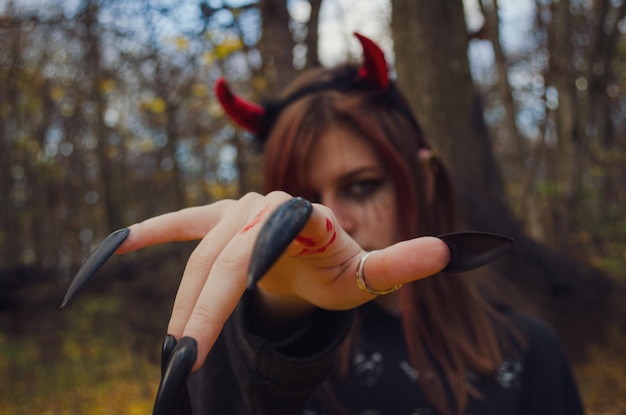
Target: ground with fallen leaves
<point>100,355</point>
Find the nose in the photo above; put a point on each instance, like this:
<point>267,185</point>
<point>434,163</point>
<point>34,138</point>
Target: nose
<point>345,214</point>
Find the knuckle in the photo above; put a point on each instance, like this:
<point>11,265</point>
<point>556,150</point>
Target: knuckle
<point>278,197</point>
<point>179,313</point>
<point>324,212</point>
<point>203,318</point>
<point>230,262</point>
<point>250,197</point>
<point>199,260</point>
<point>177,319</point>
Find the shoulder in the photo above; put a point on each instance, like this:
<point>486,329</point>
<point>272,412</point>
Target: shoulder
<point>534,330</point>
<point>539,347</point>
<point>534,338</point>
<point>548,384</point>
<point>534,342</point>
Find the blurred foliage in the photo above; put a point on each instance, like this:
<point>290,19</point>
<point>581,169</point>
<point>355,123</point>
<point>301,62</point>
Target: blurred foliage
<point>91,359</point>
<point>105,105</point>
<point>78,370</point>
<point>101,354</point>
<point>602,379</point>
<point>555,104</point>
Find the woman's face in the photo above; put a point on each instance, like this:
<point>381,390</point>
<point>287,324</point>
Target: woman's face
<point>345,174</point>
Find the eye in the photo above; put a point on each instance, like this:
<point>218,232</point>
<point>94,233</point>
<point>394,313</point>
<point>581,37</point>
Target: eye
<point>362,189</point>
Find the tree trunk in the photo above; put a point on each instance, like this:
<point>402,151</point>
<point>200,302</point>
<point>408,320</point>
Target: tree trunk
<point>312,55</point>
<point>9,92</point>
<point>431,56</point>
<point>513,147</point>
<point>171,132</point>
<point>432,64</point>
<point>566,157</point>
<point>276,44</point>
<point>109,176</point>
<point>603,53</point>
<point>513,139</point>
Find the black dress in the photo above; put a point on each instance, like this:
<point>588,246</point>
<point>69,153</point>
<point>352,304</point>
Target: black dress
<point>246,373</point>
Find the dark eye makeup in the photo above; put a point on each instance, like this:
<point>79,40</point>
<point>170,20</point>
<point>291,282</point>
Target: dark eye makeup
<point>356,187</point>
<point>361,189</point>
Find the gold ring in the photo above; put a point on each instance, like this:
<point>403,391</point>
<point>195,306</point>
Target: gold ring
<point>360,279</point>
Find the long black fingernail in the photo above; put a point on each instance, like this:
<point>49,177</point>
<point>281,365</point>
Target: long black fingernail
<point>172,394</point>
<point>283,225</point>
<point>182,405</point>
<point>169,343</point>
<point>470,250</point>
<point>95,261</point>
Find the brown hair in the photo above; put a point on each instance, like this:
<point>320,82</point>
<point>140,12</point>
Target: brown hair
<point>446,323</point>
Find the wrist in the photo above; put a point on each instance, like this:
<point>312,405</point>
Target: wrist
<point>276,315</point>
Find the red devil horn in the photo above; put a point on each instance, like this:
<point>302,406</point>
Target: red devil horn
<point>374,68</point>
<point>247,114</point>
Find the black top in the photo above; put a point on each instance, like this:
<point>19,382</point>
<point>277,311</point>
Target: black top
<point>247,374</point>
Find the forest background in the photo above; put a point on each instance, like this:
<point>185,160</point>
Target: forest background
<point>107,117</point>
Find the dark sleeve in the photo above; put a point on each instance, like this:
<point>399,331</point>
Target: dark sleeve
<point>246,373</point>
<point>548,383</point>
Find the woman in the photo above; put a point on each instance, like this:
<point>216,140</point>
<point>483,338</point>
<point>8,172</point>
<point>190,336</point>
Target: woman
<point>309,339</point>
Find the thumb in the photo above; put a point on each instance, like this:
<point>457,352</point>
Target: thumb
<point>405,262</point>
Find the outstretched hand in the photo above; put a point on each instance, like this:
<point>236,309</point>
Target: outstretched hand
<point>316,269</point>
<point>292,252</point>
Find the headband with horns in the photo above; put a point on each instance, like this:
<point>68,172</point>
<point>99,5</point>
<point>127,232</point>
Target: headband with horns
<point>252,117</point>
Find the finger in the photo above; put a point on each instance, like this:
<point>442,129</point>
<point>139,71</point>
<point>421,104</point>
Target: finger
<point>411,260</point>
<point>167,347</point>
<point>408,261</point>
<point>95,261</point>
<point>319,252</point>
<point>173,361</point>
<point>319,234</point>
<point>399,264</point>
<point>172,396</point>
<point>199,266</point>
<point>224,286</point>
<point>184,225</point>
<point>279,230</point>
<point>470,250</point>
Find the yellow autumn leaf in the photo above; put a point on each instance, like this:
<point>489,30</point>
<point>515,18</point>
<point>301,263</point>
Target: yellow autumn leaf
<point>107,85</point>
<point>219,191</point>
<point>199,90</point>
<point>57,93</point>
<point>111,151</point>
<point>215,109</point>
<point>227,47</point>
<point>259,83</point>
<point>155,105</point>
<point>139,407</point>
<point>67,109</point>
<point>181,43</point>
<point>207,58</point>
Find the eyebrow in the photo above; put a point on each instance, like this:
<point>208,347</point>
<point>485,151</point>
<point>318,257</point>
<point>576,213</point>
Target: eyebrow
<point>362,170</point>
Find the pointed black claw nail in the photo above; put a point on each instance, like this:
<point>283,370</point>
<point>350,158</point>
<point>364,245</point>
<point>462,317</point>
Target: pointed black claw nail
<point>169,343</point>
<point>172,397</point>
<point>470,250</point>
<point>95,261</point>
<point>281,228</point>
<point>182,405</point>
